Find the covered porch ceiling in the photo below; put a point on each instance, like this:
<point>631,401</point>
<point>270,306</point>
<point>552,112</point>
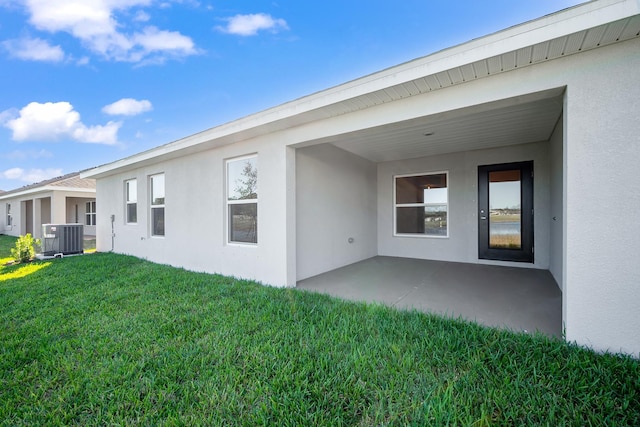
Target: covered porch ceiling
<point>520,120</point>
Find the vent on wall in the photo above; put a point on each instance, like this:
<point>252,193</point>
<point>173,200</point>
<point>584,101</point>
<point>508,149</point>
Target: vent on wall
<point>62,239</point>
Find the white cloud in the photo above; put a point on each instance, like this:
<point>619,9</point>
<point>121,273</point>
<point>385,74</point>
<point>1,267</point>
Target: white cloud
<point>13,173</point>
<point>249,25</point>
<point>94,24</point>
<point>33,50</point>
<point>32,175</point>
<point>155,39</point>
<point>127,107</point>
<point>52,121</point>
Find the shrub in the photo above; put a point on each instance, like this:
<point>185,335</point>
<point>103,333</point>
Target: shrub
<point>25,248</point>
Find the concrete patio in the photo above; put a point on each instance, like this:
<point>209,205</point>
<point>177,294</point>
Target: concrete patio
<point>520,299</point>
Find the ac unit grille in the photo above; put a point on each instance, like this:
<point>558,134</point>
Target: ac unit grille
<point>66,239</point>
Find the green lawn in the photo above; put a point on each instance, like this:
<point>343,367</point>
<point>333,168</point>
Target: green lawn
<point>6,243</point>
<point>109,339</point>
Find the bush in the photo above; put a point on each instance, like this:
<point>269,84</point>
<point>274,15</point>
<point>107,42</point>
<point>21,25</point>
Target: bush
<point>25,248</point>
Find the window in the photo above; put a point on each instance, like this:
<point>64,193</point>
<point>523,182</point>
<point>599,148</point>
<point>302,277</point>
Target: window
<point>422,205</point>
<point>9,216</point>
<point>157,204</point>
<point>90,213</point>
<point>131,199</point>
<point>242,199</point>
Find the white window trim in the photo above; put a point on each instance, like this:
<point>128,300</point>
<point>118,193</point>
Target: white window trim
<point>228,202</point>
<point>90,212</point>
<point>396,205</point>
<point>9,216</point>
<point>127,202</point>
<point>152,206</point>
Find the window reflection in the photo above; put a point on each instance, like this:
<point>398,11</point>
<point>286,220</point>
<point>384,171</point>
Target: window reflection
<point>505,212</point>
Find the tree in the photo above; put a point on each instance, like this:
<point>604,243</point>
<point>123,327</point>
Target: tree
<point>247,186</point>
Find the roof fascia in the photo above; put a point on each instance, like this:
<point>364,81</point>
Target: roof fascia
<point>46,189</point>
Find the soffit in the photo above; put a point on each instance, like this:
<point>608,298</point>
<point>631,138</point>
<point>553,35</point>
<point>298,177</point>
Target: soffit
<point>507,122</point>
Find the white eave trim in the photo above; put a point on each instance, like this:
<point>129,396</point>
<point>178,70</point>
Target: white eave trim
<point>559,24</point>
<point>47,189</point>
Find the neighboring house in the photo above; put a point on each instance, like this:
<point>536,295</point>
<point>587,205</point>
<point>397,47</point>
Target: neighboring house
<point>68,199</point>
<point>401,163</point>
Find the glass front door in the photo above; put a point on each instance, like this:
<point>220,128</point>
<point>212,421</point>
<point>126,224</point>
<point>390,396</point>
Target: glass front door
<point>505,217</point>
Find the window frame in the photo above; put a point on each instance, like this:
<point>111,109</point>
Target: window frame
<point>153,206</point>
<point>396,205</point>
<point>128,202</point>
<point>90,213</point>
<point>234,202</point>
<point>9,215</point>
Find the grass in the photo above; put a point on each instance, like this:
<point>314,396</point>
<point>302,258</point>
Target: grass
<point>505,241</point>
<point>6,244</point>
<point>109,339</point>
<point>505,218</point>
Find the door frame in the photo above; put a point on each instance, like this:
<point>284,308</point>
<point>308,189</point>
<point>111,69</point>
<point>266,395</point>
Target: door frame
<point>526,251</point>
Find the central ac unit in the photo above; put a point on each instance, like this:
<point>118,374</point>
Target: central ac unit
<point>62,239</point>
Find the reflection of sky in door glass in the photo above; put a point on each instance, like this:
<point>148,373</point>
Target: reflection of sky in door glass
<point>504,195</point>
<point>435,195</point>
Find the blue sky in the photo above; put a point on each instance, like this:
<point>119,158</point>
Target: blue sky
<point>87,82</point>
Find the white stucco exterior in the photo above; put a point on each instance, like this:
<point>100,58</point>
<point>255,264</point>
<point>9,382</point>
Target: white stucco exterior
<point>336,209</point>
<point>195,230</point>
<point>47,205</point>
<point>327,162</point>
<point>602,232</point>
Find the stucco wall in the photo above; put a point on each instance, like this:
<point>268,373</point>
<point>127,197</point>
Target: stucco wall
<point>336,200</point>
<point>602,268</point>
<point>462,243</point>
<point>195,215</point>
<point>556,203</point>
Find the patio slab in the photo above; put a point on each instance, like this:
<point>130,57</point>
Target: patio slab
<point>520,299</point>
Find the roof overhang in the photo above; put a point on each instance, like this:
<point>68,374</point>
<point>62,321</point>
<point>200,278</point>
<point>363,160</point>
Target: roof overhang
<point>577,29</point>
<point>46,189</point>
